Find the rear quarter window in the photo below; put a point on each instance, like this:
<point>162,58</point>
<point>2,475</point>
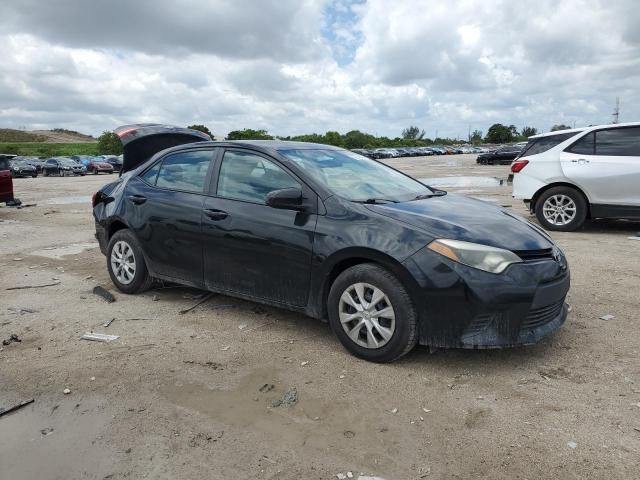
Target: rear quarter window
<point>539,145</point>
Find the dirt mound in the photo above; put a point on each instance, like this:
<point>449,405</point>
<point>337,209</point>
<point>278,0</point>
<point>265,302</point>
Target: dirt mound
<point>57,135</point>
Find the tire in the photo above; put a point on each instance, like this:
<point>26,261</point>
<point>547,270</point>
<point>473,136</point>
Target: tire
<point>125,243</point>
<point>401,330</point>
<point>95,171</point>
<point>34,175</point>
<point>45,173</point>
<point>562,209</point>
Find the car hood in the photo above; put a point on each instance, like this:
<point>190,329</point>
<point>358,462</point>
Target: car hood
<point>461,218</point>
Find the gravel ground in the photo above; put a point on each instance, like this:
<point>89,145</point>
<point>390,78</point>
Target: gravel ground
<point>194,395</point>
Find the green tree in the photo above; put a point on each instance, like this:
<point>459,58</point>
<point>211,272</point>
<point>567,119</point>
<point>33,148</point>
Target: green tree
<point>412,133</point>
<point>201,128</point>
<point>514,130</point>
<point>249,134</point>
<point>528,132</point>
<point>476,137</point>
<point>109,144</point>
<point>560,127</point>
<point>499,133</point>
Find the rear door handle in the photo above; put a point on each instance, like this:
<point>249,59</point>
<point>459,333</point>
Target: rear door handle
<point>215,214</point>
<point>137,199</point>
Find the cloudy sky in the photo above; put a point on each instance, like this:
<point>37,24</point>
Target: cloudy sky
<point>302,66</point>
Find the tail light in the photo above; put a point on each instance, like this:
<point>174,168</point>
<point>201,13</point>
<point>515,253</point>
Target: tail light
<point>519,165</point>
<point>96,198</point>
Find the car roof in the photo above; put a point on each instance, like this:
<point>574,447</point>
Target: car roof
<point>587,129</point>
<point>270,146</point>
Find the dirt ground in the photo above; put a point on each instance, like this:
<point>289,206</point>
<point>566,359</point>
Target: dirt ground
<point>190,396</point>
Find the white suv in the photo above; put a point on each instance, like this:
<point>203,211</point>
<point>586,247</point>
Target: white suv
<point>570,175</point>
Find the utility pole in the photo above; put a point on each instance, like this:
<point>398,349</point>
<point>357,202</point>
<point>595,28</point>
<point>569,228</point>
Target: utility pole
<point>616,111</point>
<point>469,135</point>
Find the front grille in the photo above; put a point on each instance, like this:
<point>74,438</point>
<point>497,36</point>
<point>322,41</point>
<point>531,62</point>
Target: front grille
<point>540,316</point>
<point>533,255</point>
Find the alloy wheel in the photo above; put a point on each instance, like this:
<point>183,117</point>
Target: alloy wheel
<point>366,315</point>
<point>123,262</point>
<point>559,210</point>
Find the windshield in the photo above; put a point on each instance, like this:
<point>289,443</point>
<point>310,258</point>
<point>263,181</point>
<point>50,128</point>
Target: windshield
<point>68,162</point>
<point>355,177</point>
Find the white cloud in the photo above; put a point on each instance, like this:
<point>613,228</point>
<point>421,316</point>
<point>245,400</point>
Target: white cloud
<point>440,65</point>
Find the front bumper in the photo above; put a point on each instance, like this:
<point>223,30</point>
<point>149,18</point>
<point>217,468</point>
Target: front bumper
<point>462,307</point>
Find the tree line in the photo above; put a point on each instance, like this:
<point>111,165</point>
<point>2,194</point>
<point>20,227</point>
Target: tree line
<point>412,136</point>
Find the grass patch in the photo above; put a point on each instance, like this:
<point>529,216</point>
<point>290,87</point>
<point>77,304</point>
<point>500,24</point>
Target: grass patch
<point>49,149</point>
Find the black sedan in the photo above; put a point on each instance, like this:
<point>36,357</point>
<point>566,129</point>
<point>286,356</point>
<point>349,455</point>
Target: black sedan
<point>502,156</point>
<point>388,261</point>
<point>63,166</point>
<point>21,168</point>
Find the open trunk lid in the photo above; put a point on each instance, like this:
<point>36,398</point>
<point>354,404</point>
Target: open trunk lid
<point>142,141</point>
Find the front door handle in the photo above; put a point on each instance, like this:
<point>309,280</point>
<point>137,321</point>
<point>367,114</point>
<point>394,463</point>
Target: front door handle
<point>215,214</point>
<point>580,161</point>
<point>137,199</point>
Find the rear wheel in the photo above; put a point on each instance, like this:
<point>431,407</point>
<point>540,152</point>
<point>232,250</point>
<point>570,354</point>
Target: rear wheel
<point>126,265</point>
<point>372,314</point>
<point>561,209</point>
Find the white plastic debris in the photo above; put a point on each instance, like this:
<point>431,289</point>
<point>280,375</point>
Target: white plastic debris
<point>340,376</point>
<point>349,474</point>
<point>99,337</point>
<point>341,476</point>
<point>394,411</point>
<point>242,326</point>
<point>304,363</point>
<point>66,391</point>
<point>426,410</point>
<point>633,238</point>
<point>225,348</point>
<point>607,317</point>
<point>572,444</point>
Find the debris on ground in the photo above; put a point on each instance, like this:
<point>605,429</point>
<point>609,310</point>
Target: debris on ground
<point>108,322</point>
<point>17,259</point>
<point>33,286</point>
<point>607,317</point>
<point>394,411</point>
<point>267,387</point>
<point>426,410</point>
<point>200,302</point>
<point>572,444</point>
<point>12,339</point>
<point>304,363</point>
<point>88,277</point>
<point>225,348</point>
<point>155,298</point>
<point>104,293</point>
<point>242,326</point>
<point>66,391</point>
<point>22,310</point>
<point>340,376</point>
<point>341,476</point>
<point>99,337</point>
<point>5,411</point>
<point>634,238</point>
<point>46,431</point>
<point>349,433</point>
<point>289,399</point>
<point>213,365</point>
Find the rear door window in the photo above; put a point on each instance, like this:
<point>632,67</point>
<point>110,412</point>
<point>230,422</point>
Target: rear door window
<point>618,142</point>
<point>536,146</point>
<point>186,171</point>
<point>4,164</point>
<point>584,146</point>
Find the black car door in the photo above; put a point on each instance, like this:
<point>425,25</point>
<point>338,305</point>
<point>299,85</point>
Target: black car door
<point>163,207</point>
<point>249,247</point>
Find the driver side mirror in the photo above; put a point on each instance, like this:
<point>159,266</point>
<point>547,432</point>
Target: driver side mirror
<point>286,199</point>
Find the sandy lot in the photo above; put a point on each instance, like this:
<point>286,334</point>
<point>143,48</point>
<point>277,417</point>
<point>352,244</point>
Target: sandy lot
<point>189,396</point>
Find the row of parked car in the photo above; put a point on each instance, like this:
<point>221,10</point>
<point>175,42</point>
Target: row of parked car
<point>418,151</point>
<point>23,166</point>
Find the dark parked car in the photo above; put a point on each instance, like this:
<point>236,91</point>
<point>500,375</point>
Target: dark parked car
<point>34,161</point>
<point>6,182</point>
<point>115,162</point>
<point>502,156</point>
<point>97,165</point>
<point>388,261</point>
<point>20,168</point>
<point>63,166</point>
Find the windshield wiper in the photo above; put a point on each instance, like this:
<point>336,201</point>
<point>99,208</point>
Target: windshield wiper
<point>376,201</point>
<point>436,193</point>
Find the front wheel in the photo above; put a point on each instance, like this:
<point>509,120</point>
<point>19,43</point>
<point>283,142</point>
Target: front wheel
<point>372,314</point>
<point>562,209</point>
<point>126,264</point>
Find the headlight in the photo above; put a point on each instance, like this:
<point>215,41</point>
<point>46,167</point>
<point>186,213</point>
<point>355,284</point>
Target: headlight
<point>482,257</point>
<point>66,168</point>
<point>16,168</point>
